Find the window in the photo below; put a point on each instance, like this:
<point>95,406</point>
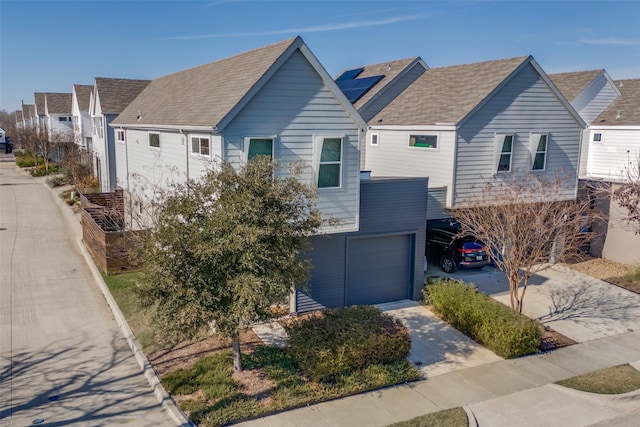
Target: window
<point>154,140</point>
<point>200,145</point>
<point>260,147</point>
<point>120,135</point>
<point>538,146</point>
<point>374,139</point>
<point>423,141</point>
<point>504,144</point>
<point>97,127</point>
<point>597,137</point>
<point>63,119</point>
<point>330,168</point>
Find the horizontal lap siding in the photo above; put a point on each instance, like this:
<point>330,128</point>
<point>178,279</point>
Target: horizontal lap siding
<point>294,105</point>
<point>608,158</point>
<point>394,157</point>
<point>594,99</point>
<point>524,105</point>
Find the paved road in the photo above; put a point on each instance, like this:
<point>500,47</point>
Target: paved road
<point>62,356</point>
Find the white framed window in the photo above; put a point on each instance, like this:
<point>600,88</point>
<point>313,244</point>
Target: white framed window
<point>330,165</point>
<point>63,119</point>
<point>538,148</point>
<point>597,137</point>
<point>423,141</point>
<point>98,128</point>
<point>120,135</point>
<point>374,140</point>
<point>504,151</point>
<point>154,140</point>
<point>201,145</point>
<point>259,147</point>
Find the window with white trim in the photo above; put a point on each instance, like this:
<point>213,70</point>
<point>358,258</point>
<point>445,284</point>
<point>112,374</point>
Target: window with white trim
<point>260,147</point>
<point>200,145</point>
<point>330,167</point>
<point>154,140</point>
<point>423,141</point>
<point>120,135</point>
<point>597,137</point>
<point>504,151</point>
<point>538,146</point>
<point>98,128</point>
<point>375,139</point>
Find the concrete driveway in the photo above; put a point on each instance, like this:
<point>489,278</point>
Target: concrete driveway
<point>574,304</point>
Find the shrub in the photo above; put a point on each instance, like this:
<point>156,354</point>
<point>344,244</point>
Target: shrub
<point>494,325</point>
<point>57,181</point>
<point>42,170</point>
<point>342,341</point>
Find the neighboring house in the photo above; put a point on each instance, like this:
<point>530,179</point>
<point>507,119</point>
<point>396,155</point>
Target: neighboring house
<point>371,87</point>
<point>39,118</point>
<point>82,131</point>
<point>28,112</point>
<point>613,151</point>
<point>464,125</point>
<point>279,101</point>
<point>57,107</point>
<point>19,118</point>
<point>108,99</point>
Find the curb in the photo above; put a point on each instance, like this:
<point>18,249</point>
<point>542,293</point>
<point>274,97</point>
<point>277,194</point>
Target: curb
<point>149,373</point>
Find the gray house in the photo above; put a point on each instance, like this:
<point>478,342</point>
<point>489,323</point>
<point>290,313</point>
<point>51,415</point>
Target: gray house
<point>82,130</point>
<point>465,125</point>
<point>279,101</point>
<point>108,98</point>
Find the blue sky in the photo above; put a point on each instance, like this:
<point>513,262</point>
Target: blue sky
<point>48,46</point>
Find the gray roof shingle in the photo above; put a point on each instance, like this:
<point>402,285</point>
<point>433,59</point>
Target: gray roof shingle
<point>28,111</point>
<point>58,103</point>
<point>39,97</point>
<point>83,94</point>
<point>116,94</point>
<point>446,94</point>
<point>625,110</point>
<point>571,84</point>
<point>204,95</point>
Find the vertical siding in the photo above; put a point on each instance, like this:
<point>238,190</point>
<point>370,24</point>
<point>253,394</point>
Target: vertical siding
<point>295,106</point>
<point>394,157</point>
<point>524,105</point>
<point>594,99</point>
<point>391,92</point>
<point>609,158</point>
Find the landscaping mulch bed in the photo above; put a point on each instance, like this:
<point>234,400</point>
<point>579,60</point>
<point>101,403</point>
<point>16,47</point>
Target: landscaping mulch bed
<point>550,340</point>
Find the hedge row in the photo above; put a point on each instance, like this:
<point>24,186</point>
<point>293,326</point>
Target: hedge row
<point>494,325</point>
<point>342,341</point>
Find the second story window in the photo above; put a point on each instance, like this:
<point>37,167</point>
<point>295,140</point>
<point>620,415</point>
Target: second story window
<point>504,145</point>
<point>200,145</point>
<point>597,137</point>
<point>538,146</point>
<point>260,147</point>
<point>423,141</point>
<point>120,135</point>
<point>375,139</point>
<point>98,127</point>
<point>330,169</point>
<point>154,140</point>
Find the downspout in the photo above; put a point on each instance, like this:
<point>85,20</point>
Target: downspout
<point>186,152</point>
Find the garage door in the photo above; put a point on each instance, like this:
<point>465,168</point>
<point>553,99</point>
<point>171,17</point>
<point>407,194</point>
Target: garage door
<point>378,269</point>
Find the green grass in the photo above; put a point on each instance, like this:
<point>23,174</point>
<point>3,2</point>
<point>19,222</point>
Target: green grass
<point>122,287</point>
<point>222,400</point>
<point>633,275</point>
<point>454,417</point>
<point>615,380</point>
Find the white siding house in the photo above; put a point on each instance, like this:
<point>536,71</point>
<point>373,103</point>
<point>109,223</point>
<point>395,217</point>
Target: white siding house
<point>58,115</point>
<point>464,125</point>
<point>39,114</point>
<point>109,97</point>
<point>82,132</point>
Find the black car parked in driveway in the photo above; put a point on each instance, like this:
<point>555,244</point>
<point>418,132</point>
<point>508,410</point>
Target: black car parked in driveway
<point>451,251</point>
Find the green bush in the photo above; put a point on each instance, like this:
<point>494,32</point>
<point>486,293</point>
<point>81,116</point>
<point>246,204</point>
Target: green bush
<point>342,341</point>
<point>42,170</point>
<point>494,325</point>
<point>57,181</point>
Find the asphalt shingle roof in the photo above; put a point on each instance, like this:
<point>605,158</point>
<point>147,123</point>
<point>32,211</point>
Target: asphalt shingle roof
<point>28,110</point>
<point>83,94</point>
<point>58,103</point>
<point>446,94</point>
<point>389,69</point>
<point>116,94</point>
<point>625,110</point>
<point>39,97</point>
<point>204,95</point>
<point>571,84</point>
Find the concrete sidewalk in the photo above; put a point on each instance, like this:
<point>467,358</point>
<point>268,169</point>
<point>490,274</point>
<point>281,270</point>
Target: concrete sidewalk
<point>485,383</point>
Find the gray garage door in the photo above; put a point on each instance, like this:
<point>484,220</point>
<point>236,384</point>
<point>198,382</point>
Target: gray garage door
<point>378,269</point>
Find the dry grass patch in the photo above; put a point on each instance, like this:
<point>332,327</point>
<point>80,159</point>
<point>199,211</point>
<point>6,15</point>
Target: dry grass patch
<point>454,417</point>
<point>615,380</point>
<point>623,275</point>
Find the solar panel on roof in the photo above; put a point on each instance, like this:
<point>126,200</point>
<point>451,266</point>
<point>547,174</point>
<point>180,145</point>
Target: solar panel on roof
<point>354,89</point>
<point>350,74</point>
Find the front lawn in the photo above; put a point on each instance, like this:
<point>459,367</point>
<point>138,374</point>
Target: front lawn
<point>454,417</point>
<point>615,380</point>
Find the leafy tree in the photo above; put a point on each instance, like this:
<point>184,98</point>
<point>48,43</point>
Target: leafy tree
<point>628,194</point>
<point>525,227</point>
<point>225,249</point>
